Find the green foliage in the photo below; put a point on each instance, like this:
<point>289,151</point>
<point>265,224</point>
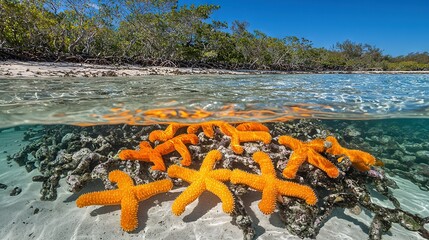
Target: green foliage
<point>161,32</point>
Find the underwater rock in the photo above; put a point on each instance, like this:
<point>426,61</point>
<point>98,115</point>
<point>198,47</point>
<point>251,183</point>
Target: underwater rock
<point>423,156</point>
<point>15,191</point>
<point>3,186</point>
<point>240,216</point>
<point>298,217</point>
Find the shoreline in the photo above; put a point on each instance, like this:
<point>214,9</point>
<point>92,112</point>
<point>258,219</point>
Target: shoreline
<point>26,69</point>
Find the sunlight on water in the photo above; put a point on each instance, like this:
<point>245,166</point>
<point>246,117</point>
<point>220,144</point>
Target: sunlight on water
<point>145,100</point>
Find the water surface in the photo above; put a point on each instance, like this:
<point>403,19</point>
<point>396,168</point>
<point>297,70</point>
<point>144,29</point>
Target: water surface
<point>143,100</point>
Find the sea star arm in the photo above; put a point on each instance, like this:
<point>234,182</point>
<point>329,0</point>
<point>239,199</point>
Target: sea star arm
<point>184,152</point>
<point>168,133</point>
<point>296,190</point>
<point>361,166</point>
<point>108,197</point>
<point>188,196</point>
<point>291,142</point>
<point>186,174</point>
<point>158,162</point>
<point>122,179</point>
<point>143,154</point>
<point>297,158</point>
<point>209,160</point>
<point>336,148</point>
<point>185,138</point>
<point>252,180</point>
<point>265,163</point>
<point>221,191</point>
<point>128,154</point>
<point>254,136</point>
<point>207,128</point>
<point>222,175</point>
<point>324,164</point>
<point>252,126</point>
<point>129,210</point>
<point>235,143</point>
<point>226,128</point>
<point>360,159</point>
<point>269,198</point>
<point>361,156</point>
<point>145,191</point>
<point>317,144</point>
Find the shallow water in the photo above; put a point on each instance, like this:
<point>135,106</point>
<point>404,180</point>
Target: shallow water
<point>385,115</point>
<point>151,99</point>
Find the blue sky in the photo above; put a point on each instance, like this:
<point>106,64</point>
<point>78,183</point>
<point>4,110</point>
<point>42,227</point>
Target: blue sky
<point>396,27</point>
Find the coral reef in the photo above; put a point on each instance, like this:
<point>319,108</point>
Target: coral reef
<point>82,154</point>
<point>78,153</point>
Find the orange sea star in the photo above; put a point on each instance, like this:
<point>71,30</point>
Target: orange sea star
<point>127,195</point>
<point>360,159</point>
<point>204,179</point>
<point>252,126</point>
<point>148,154</point>
<point>168,133</point>
<point>270,186</point>
<point>309,152</point>
<point>237,136</point>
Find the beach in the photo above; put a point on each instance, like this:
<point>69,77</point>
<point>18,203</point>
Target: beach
<point>25,216</point>
<point>31,69</point>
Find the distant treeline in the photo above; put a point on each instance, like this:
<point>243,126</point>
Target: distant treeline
<point>160,32</point>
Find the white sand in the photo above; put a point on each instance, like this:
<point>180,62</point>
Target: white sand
<point>25,69</point>
<point>57,69</point>
<point>203,219</point>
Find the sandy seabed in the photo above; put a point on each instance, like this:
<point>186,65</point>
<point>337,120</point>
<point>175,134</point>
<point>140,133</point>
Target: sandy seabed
<point>25,216</point>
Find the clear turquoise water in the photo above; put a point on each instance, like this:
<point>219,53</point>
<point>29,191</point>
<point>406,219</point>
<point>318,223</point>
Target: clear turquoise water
<point>345,96</point>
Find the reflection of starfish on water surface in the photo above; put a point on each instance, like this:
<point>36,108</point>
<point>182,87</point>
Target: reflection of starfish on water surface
<point>309,152</point>
<point>270,186</point>
<point>127,195</point>
<point>204,179</point>
<point>148,154</point>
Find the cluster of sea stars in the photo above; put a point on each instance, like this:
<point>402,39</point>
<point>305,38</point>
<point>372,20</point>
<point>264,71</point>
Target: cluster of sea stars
<point>210,179</point>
